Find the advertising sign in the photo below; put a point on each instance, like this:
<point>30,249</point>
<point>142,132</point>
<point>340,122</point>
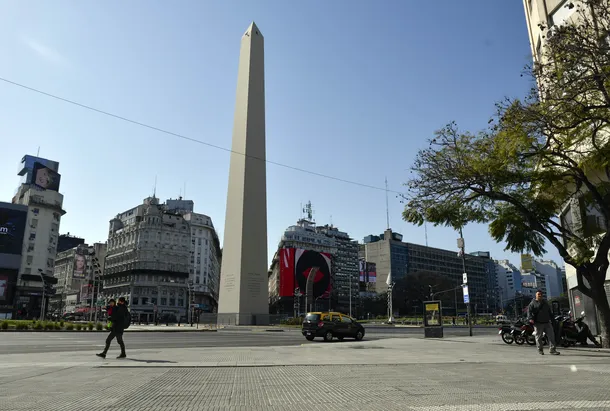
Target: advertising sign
<point>304,261</point>
<point>80,266</point>
<point>45,178</point>
<point>8,279</point>
<point>466,295</point>
<point>12,228</point>
<point>433,319</point>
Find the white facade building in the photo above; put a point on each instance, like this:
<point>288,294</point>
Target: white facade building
<point>553,276</point>
<point>205,261</point>
<point>509,281</point>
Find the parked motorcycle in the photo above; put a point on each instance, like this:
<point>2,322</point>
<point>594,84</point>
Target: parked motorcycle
<point>574,331</point>
<point>512,333</point>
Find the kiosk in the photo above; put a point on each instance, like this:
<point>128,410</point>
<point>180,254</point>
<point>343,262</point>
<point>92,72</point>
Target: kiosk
<point>433,319</point>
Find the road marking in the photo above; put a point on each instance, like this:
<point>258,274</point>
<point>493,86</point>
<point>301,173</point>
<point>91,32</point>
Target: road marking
<point>551,405</point>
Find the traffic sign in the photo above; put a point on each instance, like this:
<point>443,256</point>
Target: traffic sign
<point>466,296</point>
<point>465,278</point>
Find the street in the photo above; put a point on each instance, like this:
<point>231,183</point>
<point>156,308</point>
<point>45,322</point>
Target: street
<point>40,342</point>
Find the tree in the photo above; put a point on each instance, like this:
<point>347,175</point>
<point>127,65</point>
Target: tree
<point>414,289</point>
<point>537,155</point>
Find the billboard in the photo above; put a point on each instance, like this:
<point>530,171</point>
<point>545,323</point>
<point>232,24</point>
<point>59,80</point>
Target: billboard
<point>304,261</point>
<point>8,279</point>
<point>80,266</point>
<point>27,167</point>
<point>45,178</point>
<point>12,228</point>
<point>368,272</point>
<point>286,262</point>
<point>527,263</point>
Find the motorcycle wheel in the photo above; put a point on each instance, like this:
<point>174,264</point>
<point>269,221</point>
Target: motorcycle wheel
<point>519,340</point>
<point>530,340</point>
<point>508,338</point>
<point>565,343</point>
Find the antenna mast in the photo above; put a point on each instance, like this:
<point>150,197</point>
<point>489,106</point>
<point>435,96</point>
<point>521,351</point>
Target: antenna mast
<point>387,207</point>
<point>155,188</point>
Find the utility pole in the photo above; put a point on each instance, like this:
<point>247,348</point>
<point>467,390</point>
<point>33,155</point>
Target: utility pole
<point>44,286</point>
<point>463,250</point>
<point>350,296</point>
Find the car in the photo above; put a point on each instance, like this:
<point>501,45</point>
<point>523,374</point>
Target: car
<point>329,325</point>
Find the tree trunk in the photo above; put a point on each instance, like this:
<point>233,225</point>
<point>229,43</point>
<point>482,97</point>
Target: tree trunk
<point>599,297</point>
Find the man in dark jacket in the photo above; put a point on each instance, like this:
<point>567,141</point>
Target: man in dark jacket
<point>119,321</point>
<point>539,314</point>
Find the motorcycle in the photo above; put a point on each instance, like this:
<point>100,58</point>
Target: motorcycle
<point>512,333</point>
<point>574,331</point>
<point>527,334</point>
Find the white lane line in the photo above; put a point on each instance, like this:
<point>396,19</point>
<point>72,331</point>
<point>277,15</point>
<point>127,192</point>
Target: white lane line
<point>534,406</point>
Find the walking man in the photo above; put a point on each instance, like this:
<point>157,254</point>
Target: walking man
<point>120,320</point>
<point>540,315</point>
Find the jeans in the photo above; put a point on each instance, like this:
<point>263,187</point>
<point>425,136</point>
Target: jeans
<point>119,339</point>
<point>547,328</point>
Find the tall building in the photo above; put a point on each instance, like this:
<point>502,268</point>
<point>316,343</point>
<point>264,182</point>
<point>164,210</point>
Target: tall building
<point>509,281</point>
<point>553,275</point>
<point>345,268</point>
<point>12,227</point>
<point>148,261</point>
<point>77,271</point>
<point>39,191</point>
<point>205,261</point>
<point>543,17</point>
<point>243,298</point>
<point>301,247</point>
<point>390,253</point>
<point>493,291</point>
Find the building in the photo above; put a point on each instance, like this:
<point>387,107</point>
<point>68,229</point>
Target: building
<point>148,261</point>
<point>77,271</point>
<point>13,219</point>
<point>391,254</point>
<point>553,275</point>
<point>509,281</point>
<point>39,191</point>
<point>543,17</point>
<point>345,269</point>
<point>493,292</point>
<point>243,296</point>
<point>205,261</point>
<point>67,241</point>
<point>300,247</point>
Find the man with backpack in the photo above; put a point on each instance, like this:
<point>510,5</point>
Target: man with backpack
<point>120,319</point>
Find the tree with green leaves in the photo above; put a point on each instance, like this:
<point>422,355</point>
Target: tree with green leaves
<point>540,157</point>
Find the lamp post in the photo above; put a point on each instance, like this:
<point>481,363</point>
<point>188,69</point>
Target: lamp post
<point>462,246</point>
<point>42,305</point>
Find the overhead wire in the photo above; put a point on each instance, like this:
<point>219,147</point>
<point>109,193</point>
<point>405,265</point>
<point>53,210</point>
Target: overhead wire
<point>193,140</point>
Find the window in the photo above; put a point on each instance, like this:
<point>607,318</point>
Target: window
<point>163,301</point>
<point>181,303</point>
<point>32,236</point>
<point>134,300</point>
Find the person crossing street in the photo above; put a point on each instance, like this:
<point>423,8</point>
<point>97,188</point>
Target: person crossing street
<point>120,318</point>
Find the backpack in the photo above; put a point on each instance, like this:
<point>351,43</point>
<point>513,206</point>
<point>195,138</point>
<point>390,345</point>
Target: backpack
<point>127,321</point>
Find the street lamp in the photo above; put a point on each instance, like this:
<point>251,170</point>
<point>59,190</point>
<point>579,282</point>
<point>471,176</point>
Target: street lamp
<point>462,247</point>
<point>42,305</point>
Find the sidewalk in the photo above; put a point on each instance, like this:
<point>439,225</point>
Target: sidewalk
<point>392,374</point>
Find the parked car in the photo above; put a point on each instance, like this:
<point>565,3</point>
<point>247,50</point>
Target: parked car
<point>329,325</point>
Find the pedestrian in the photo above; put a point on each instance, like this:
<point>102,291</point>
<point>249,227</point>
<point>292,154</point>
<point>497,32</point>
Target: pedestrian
<point>120,319</point>
<point>109,309</point>
<point>540,315</point>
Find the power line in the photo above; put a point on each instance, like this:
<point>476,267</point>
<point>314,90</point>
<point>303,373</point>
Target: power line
<point>193,140</point>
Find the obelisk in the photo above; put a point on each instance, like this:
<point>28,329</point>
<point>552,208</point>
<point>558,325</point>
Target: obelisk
<point>244,295</point>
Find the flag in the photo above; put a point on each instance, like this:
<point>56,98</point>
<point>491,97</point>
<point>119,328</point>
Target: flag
<point>389,280</point>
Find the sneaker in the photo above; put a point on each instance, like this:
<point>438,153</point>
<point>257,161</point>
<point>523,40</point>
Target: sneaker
<point>554,352</point>
<point>121,356</point>
<point>101,355</point>
<point>540,352</point>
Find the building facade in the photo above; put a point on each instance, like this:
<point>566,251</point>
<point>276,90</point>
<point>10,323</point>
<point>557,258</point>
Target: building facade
<point>148,261</point>
<point>543,17</point>
<point>509,281</point>
<point>13,219</point>
<point>390,254</point>
<point>302,236</point>
<point>39,191</point>
<point>67,241</point>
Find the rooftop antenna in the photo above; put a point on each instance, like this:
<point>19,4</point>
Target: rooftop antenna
<point>155,188</point>
<point>38,152</point>
<point>387,207</point>
<point>308,210</point>
<point>331,220</point>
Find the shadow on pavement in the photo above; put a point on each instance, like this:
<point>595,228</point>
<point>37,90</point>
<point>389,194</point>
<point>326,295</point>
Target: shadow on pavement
<point>152,361</point>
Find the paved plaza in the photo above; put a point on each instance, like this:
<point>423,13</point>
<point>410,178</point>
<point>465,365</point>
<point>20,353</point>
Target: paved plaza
<point>454,374</point>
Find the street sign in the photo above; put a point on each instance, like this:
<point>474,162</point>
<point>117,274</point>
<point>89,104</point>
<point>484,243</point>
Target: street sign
<point>465,278</point>
<point>466,296</point>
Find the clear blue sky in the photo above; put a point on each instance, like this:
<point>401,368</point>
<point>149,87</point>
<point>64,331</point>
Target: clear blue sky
<point>354,89</point>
